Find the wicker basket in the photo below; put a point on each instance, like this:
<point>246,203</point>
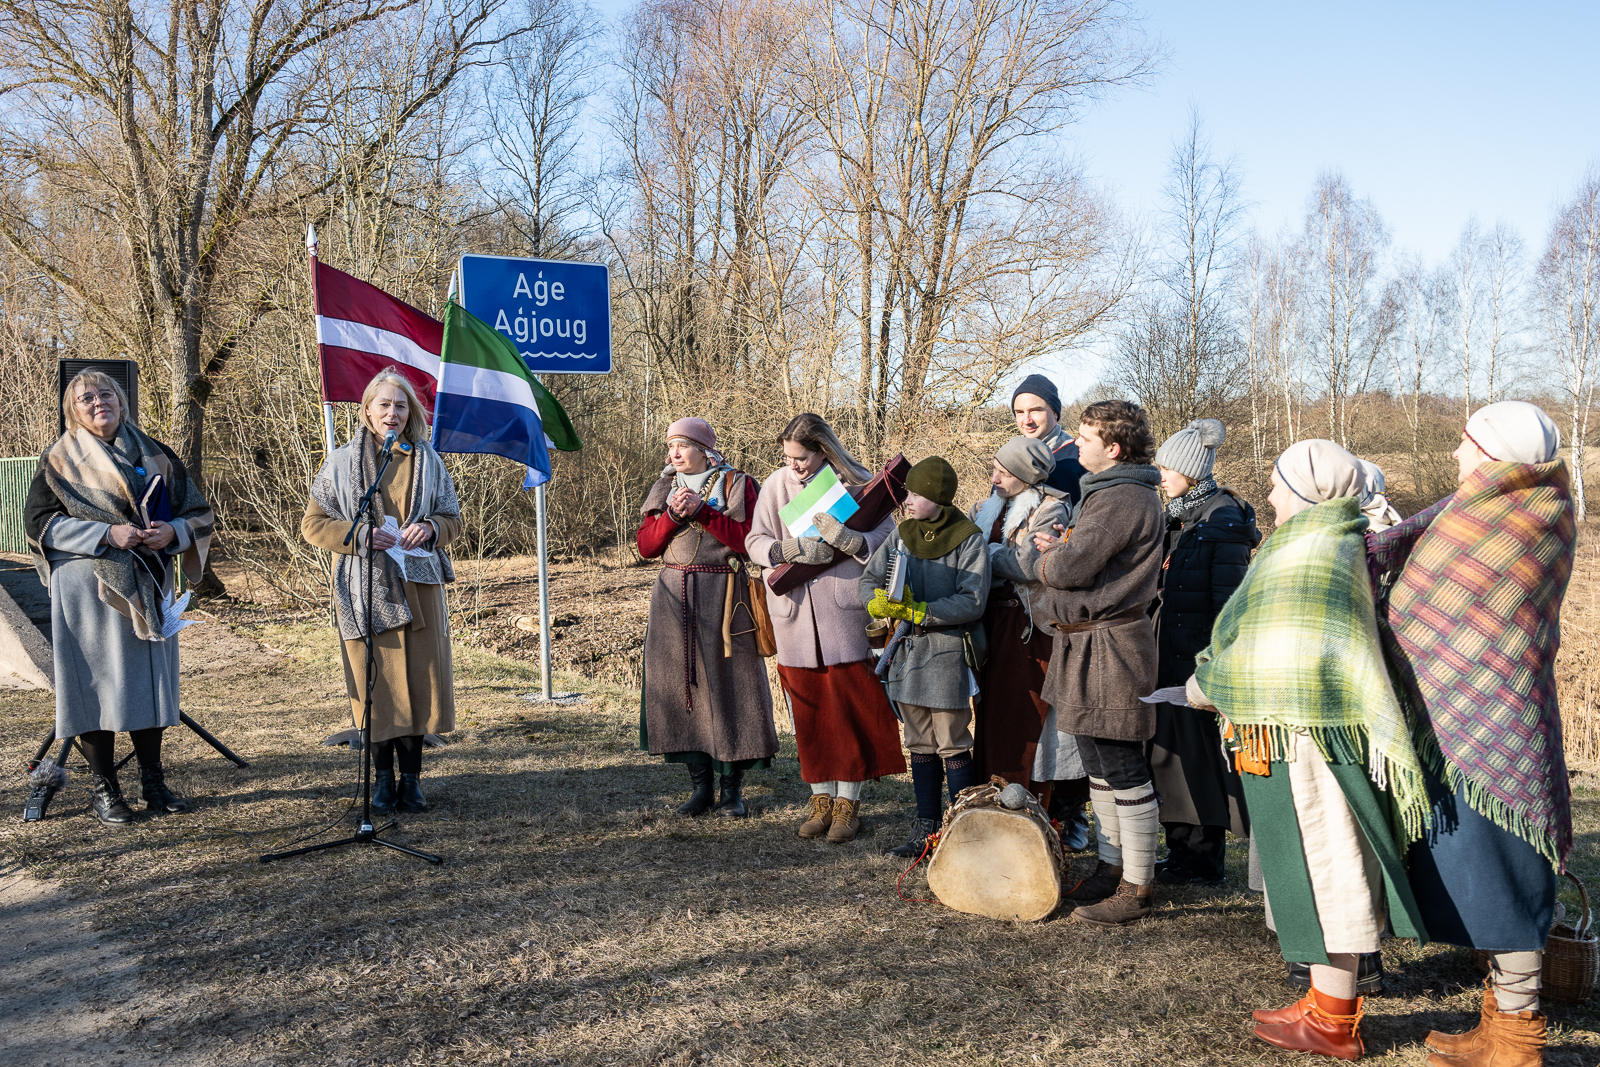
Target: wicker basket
<point>1571,956</point>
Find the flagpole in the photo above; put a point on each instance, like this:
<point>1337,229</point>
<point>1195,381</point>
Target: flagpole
<point>544,592</point>
<point>327,405</point>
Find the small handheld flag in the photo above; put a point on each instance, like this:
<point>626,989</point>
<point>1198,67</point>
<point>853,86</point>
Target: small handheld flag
<point>825,493</point>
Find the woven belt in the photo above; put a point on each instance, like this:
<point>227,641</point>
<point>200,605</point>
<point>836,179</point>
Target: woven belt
<point>691,629</point>
<point>1099,624</point>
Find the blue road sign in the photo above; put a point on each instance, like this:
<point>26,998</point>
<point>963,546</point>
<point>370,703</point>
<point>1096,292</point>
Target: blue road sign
<point>556,312</point>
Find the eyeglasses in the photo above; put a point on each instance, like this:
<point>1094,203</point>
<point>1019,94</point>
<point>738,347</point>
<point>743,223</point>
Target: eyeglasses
<point>105,396</point>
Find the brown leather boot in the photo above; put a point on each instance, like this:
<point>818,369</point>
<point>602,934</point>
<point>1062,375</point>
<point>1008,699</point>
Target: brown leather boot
<point>1504,1040</point>
<point>1128,904</point>
<point>1325,1032</point>
<point>821,816</point>
<point>1458,1044</point>
<point>846,820</point>
<point>1099,885</point>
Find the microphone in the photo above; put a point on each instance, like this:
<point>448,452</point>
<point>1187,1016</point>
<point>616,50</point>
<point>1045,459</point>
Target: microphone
<point>388,441</point>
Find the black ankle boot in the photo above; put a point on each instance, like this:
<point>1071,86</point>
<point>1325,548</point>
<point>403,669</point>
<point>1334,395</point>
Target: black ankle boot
<point>409,798</point>
<point>704,796</point>
<point>107,802</point>
<point>158,799</point>
<point>383,793</point>
<point>732,802</point>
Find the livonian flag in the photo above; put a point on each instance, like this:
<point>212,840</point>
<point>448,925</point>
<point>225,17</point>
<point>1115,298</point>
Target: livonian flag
<point>824,493</point>
<point>361,330</point>
<point>488,401</point>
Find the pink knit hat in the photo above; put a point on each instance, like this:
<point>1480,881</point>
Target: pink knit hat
<point>695,431</point>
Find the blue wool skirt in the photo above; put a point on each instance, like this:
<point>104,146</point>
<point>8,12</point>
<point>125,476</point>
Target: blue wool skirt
<point>1479,886</point>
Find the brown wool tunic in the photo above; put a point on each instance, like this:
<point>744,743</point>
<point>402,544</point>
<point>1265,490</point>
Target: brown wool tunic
<point>415,690</point>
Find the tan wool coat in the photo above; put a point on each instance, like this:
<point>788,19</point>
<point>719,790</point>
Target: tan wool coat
<point>415,690</point>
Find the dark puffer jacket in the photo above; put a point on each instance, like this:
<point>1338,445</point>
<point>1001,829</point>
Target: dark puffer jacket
<point>1206,562</point>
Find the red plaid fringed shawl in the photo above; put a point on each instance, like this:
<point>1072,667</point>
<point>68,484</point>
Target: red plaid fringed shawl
<point>1475,622</point>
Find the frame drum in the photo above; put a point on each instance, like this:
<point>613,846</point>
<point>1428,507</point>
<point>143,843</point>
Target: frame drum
<point>995,861</point>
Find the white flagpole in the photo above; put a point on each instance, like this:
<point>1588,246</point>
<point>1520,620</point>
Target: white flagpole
<point>544,593</point>
<point>327,406</point>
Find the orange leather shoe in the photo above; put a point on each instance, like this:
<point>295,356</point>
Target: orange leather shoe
<point>1335,1033</point>
<point>1292,1014</point>
<point>1504,1041</point>
<point>1461,1044</point>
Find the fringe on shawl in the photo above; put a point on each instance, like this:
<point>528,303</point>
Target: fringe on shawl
<point>1487,804</point>
<point>1272,743</point>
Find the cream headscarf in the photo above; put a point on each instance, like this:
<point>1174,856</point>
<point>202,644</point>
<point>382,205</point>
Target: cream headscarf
<point>1316,472</point>
<point>1374,505</point>
<point>1514,431</point>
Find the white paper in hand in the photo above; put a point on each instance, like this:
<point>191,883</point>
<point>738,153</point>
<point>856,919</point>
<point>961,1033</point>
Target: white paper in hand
<point>397,553</point>
<point>1172,694</point>
<point>172,612</point>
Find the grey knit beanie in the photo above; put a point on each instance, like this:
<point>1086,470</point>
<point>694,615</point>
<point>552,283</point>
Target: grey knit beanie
<point>1192,451</point>
<point>1026,459</point>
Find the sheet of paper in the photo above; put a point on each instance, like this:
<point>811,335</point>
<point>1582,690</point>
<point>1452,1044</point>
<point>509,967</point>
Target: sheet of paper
<point>1172,694</point>
<point>397,553</point>
<point>172,612</point>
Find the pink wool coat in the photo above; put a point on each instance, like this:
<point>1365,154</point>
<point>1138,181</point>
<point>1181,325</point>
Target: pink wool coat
<point>824,613</point>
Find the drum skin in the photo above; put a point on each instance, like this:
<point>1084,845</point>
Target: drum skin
<point>996,862</point>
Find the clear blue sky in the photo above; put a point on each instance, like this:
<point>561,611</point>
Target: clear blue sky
<point>1435,111</point>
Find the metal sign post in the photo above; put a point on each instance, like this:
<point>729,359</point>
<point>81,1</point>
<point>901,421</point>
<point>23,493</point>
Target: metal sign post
<point>558,314</point>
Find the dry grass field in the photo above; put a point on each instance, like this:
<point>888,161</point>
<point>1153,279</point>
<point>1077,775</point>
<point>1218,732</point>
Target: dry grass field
<point>577,920</point>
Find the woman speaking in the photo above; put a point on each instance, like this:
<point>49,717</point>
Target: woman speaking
<point>415,510</point>
<point>109,571</point>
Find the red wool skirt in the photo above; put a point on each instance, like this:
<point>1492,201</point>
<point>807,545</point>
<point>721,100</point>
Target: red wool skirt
<point>843,726</point>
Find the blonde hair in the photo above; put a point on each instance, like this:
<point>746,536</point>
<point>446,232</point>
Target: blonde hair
<point>812,433</point>
<point>99,379</point>
<point>416,429</point>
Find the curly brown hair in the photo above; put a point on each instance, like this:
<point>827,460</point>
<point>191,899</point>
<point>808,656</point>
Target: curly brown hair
<point>1122,423</point>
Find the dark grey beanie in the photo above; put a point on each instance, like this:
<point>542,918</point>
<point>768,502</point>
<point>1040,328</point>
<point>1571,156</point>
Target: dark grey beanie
<point>1028,460</point>
<point>1192,451</point>
<point>1041,387</point>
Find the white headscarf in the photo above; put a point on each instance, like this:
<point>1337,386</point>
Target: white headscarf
<point>1514,431</point>
<point>1374,505</point>
<point>1316,472</point>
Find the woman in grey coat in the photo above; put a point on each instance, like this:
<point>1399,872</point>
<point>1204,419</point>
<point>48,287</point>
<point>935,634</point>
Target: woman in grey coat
<point>103,531</point>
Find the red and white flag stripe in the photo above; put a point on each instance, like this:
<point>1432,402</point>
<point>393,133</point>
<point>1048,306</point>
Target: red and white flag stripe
<point>361,330</point>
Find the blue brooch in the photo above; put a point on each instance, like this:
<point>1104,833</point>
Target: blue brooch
<point>139,471</point>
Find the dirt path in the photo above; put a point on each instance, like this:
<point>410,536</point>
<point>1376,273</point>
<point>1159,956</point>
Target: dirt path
<point>70,992</point>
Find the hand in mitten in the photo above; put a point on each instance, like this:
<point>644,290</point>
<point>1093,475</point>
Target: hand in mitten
<point>805,550</point>
<point>908,610</point>
<point>838,535</point>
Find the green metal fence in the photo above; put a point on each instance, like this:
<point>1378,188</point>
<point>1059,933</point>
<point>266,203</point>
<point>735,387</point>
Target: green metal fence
<point>15,477</point>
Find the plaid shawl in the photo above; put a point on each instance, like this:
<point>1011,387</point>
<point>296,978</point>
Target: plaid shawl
<point>1476,623</point>
<point>86,478</point>
<point>1296,648</point>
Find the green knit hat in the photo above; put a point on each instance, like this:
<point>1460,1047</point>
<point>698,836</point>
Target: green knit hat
<point>935,479</point>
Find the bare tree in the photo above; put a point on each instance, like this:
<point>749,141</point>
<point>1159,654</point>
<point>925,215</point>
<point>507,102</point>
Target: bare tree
<point>534,101</point>
<point>177,117</point>
<point>1346,322</point>
<point>1503,315</point>
<point>1569,303</point>
<point>1420,300</point>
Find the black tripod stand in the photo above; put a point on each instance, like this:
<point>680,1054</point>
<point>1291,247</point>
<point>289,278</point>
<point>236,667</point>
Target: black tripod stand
<point>365,834</point>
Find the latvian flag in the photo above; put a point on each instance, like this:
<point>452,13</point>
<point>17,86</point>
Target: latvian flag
<point>361,330</point>
<point>488,401</point>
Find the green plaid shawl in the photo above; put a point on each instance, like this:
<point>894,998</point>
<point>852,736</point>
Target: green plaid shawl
<point>1296,648</point>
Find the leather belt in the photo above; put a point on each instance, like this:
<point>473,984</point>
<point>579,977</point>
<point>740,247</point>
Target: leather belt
<point>1099,624</point>
<point>924,631</point>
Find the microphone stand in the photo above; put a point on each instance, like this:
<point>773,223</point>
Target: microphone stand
<point>365,834</point>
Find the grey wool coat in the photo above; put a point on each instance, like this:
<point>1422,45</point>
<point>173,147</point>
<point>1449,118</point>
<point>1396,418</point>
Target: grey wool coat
<point>1106,569</point>
<point>818,623</point>
<point>106,677</point>
<point>930,669</point>
<point>696,699</point>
